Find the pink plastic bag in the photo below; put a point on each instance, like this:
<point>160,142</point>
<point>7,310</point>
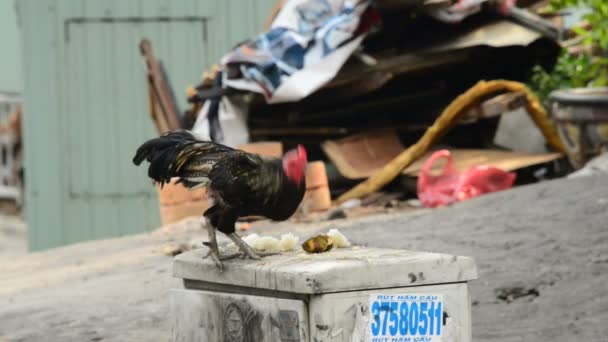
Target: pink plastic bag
<point>450,187</point>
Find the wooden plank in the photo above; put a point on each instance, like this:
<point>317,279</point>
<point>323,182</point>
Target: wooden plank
<point>495,106</point>
<point>396,65</point>
<point>465,159</point>
<point>359,156</point>
<point>398,4</point>
<point>273,14</point>
<point>167,116</point>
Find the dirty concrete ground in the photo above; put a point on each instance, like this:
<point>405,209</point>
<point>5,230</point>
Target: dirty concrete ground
<point>541,250</point>
<point>13,240</point>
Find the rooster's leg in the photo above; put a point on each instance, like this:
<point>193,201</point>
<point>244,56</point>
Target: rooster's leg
<point>243,246</point>
<point>247,250</point>
<point>214,251</point>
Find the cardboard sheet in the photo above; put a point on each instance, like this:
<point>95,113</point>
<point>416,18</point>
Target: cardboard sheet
<point>359,156</point>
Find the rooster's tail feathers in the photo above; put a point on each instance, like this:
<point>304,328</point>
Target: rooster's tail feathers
<point>170,153</point>
<point>148,149</point>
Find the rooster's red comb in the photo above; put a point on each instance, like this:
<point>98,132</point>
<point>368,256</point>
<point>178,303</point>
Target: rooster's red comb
<point>302,152</point>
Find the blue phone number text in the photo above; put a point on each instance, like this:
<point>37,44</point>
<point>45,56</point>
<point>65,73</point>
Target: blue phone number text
<point>392,318</point>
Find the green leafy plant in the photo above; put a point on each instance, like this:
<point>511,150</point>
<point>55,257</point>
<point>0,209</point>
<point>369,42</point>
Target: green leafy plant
<point>587,68</point>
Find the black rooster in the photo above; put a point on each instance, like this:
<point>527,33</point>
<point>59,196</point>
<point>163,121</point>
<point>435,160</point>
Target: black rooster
<point>239,183</point>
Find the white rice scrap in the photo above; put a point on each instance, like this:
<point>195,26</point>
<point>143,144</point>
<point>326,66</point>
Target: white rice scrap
<point>339,240</point>
<point>262,243</point>
<point>289,242</point>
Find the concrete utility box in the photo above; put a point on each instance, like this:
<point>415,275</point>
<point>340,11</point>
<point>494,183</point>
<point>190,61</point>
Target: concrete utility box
<point>351,294</point>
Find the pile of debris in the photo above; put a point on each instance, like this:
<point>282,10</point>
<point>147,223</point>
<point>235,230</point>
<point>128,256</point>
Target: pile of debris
<point>372,88</point>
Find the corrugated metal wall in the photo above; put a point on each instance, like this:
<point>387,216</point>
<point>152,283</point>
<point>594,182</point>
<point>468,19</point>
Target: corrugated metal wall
<point>86,105</point>
<point>11,80</point>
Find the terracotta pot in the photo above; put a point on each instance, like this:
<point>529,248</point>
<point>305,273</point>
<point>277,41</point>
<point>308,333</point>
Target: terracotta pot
<point>317,196</point>
<point>268,149</point>
<point>581,118</point>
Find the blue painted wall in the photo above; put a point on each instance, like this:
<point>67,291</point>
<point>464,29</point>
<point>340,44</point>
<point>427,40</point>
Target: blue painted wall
<point>86,106</point>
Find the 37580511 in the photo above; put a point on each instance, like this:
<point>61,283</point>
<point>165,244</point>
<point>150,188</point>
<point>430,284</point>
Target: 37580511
<point>399,318</point>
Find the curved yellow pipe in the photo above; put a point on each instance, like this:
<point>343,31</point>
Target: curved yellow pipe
<point>445,122</point>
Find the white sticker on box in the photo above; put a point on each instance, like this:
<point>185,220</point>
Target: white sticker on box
<point>405,317</point>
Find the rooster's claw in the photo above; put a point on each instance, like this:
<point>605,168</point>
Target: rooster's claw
<point>218,259</point>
